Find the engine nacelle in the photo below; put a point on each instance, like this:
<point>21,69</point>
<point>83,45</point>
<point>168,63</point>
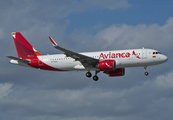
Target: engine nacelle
<point>107,65</point>
<point>116,73</point>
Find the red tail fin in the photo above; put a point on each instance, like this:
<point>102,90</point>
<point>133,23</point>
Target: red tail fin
<point>23,47</point>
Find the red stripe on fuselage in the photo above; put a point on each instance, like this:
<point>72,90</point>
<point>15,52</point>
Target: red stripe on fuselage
<point>36,63</point>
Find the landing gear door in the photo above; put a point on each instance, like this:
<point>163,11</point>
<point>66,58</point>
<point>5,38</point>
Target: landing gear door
<point>144,54</point>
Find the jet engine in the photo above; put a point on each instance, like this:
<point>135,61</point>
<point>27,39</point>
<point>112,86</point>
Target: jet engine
<point>107,65</point>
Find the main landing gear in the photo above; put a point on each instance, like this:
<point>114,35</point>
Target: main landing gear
<point>88,74</point>
<point>95,77</point>
<point>146,73</point>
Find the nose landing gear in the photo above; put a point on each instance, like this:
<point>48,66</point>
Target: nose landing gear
<point>146,73</point>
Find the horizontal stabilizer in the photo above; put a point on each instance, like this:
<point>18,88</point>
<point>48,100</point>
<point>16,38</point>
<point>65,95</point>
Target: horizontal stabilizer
<point>18,59</point>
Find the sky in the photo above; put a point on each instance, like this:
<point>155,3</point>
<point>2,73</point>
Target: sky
<point>81,26</point>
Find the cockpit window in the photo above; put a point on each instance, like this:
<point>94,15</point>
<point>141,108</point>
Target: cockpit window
<point>156,53</point>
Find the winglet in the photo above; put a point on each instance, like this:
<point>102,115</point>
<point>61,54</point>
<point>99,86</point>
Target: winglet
<point>53,42</point>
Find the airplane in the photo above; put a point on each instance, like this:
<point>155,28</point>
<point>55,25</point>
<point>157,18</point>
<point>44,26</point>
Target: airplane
<point>112,63</point>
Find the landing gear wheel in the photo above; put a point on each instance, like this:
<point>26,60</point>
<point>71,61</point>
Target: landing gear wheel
<point>146,73</point>
<point>88,74</point>
<point>95,78</point>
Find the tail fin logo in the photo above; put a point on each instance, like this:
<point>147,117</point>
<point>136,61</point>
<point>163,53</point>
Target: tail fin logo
<point>14,34</point>
<point>23,47</point>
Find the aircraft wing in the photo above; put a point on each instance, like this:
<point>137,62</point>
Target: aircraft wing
<point>85,60</point>
<point>18,59</point>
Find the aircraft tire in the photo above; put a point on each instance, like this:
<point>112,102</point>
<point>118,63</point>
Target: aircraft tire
<point>88,74</point>
<point>95,78</point>
<point>146,73</point>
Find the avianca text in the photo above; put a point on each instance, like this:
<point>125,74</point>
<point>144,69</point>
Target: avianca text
<point>114,55</point>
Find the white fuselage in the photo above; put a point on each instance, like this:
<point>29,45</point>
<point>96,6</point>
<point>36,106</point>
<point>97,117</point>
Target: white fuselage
<point>123,58</point>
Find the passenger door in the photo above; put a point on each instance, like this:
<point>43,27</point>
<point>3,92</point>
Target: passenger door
<point>144,54</point>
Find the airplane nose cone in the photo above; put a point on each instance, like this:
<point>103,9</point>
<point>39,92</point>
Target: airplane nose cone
<point>165,58</point>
